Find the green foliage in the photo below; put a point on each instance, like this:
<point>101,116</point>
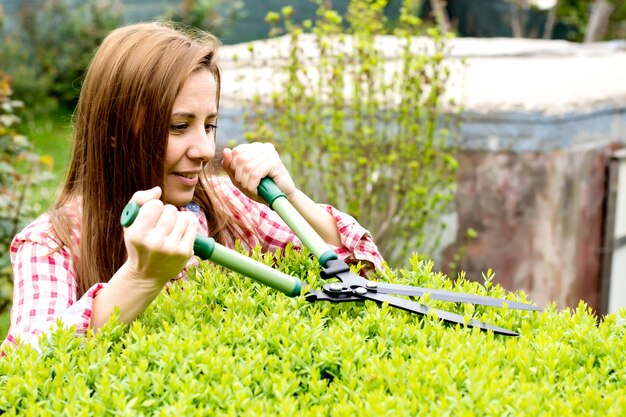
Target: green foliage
<point>361,132</point>
<point>220,344</point>
<point>51,135</point>
<point>22,174</point>
<point>28,79</point>
<point>209,15</point>
<point>617,24</point>
<point>5,321</point>
<point>52,50</point>
<point>577,12</point>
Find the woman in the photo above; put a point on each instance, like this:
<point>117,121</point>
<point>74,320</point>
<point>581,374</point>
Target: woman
<point>146,120</point>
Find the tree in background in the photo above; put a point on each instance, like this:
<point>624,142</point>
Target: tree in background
<point>210,15</point>
<point>595,20</point>
<point>48,52</point>
<point>441,15</point>
<point>607,19</point>
<point>577,20</point>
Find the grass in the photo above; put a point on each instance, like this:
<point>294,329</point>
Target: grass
<point>50,135</point>
<point>4,324</point>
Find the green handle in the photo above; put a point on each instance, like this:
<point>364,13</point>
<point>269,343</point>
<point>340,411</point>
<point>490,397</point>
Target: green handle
<point>269,191</point>
<point>278,202</point>
<point>207,248</point>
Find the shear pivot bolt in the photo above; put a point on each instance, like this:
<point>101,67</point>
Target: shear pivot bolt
<point>360,290</point>
<point>371,284</point>
<point>336,287</point>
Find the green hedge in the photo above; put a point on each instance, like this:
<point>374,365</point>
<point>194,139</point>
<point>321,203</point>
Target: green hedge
<point>221,344</point>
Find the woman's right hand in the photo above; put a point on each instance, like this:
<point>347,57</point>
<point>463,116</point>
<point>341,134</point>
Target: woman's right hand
<point>160,240</point>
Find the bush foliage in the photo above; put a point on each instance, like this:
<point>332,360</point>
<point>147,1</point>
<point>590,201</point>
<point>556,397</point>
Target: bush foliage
<point>54,41</point>
<point>220,344</point>
<point>362,132</point>
<point>210,15</point>
<point>62,36</point>
<point>22,174</point>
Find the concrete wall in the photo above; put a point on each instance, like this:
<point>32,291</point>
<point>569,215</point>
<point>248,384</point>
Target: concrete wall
<point>539,219</point>
<point>533,187</point>
<point>541,122</point>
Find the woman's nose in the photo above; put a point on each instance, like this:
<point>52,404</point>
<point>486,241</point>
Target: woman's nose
<point>202,145</point>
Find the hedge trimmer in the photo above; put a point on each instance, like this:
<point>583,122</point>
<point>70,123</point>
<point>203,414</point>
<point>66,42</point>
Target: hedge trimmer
<point>350,288</point>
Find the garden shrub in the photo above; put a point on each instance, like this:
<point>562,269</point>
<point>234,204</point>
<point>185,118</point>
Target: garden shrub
<point>28,81</point>
<point>221,344</point>
<point>50,50</point>
<point>210,15</point>
<point>56,40</point>
<point>361,134</point>
<point>22,174</point>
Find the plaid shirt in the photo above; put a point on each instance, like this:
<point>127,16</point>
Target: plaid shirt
<point>45,280</point>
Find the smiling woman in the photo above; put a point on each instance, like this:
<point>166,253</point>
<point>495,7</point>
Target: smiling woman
<point>145,131</point>
<point>191,141</point>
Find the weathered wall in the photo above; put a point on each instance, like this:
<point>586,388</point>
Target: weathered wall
<point>533,187</point>
<point>538,217</point>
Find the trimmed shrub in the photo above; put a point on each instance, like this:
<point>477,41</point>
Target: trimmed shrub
<point>220,344</point>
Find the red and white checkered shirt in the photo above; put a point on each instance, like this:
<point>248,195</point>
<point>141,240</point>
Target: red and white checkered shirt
<point>45,281</point>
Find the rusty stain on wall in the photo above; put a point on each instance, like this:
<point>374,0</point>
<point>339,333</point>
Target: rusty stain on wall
<point>538,216</point>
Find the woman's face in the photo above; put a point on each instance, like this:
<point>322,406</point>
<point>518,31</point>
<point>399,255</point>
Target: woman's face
<point>191,141</point>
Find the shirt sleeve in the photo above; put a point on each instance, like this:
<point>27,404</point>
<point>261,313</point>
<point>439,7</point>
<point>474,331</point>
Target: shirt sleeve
<point>44,287</point>
<point>357,244</point>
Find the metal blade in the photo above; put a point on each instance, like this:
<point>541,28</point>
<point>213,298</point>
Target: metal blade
<point>338,269</point>
<point>451,296</point>
<point>313,296</point>
<point>446,316</point>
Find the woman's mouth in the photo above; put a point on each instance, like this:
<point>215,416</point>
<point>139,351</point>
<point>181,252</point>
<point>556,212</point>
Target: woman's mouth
<point>189,179</point>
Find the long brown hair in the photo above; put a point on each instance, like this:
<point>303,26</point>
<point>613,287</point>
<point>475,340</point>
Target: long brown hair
<point>120,138</point>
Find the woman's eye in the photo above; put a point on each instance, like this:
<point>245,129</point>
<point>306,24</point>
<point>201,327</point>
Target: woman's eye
<point>178,127</point>
<point>210,127</point>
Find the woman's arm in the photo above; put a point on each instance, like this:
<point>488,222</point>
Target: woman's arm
<point>44,286</point>
<point>131,296</point>
<point>249,163</point>
<point>272,233</point>
<point>321,220</point>
<point>159,244</point>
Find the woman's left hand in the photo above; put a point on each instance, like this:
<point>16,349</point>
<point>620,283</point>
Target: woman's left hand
<point>248,164</point>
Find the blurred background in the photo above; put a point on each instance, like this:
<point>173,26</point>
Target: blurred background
<point>484,135</point>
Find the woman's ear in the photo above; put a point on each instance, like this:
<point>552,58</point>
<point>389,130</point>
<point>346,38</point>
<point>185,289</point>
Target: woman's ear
<point>113,142</point>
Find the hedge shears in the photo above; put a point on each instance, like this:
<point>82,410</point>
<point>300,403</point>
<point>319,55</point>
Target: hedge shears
<point>350,286</point>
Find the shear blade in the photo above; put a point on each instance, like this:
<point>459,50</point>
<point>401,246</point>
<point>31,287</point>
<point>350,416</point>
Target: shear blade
<point>446,316</point>
<point>313,296</point>
<point>452,296</point>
